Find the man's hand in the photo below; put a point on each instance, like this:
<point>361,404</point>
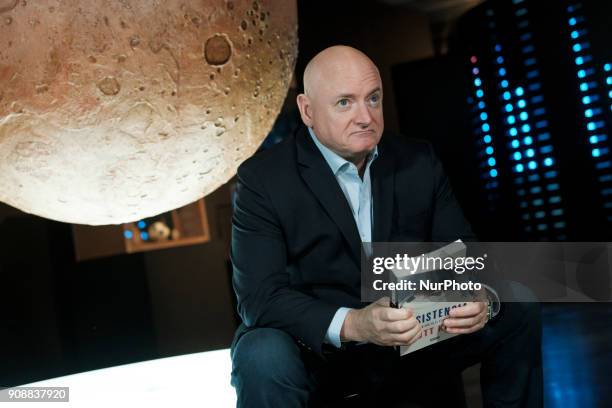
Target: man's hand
<point>380,324</point>
<point>467,319</point>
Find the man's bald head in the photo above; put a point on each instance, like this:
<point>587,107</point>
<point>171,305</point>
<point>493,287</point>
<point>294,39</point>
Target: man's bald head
<point>331,62</point>
<point>342,102</point>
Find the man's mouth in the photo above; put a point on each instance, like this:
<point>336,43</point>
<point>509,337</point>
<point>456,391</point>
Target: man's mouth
<point>362,132</point>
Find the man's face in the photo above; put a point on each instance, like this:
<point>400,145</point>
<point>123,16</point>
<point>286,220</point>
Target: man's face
<point>346,108</point>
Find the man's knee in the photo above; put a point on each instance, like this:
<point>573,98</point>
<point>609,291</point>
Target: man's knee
<point>524,306</point>
<point>521,319</point>
<point>265,357</point>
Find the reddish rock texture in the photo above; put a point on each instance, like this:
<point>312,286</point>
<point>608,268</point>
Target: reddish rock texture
<point>115,110</point>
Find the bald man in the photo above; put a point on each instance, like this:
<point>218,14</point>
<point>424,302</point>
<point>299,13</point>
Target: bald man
<point>303,208</point>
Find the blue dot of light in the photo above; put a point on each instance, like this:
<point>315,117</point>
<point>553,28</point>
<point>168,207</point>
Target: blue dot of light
<point>507,95</point>
<point>581,73</point>
<point>519,91</point>
<point>572,21</point>
<point>586,100</point>
<point>548,162</point>
<point>584,86</point>
<point>588,113</point>
<point>515,144</point>
<point>509,107</point>
<point>525,128</point>
<point>517,156</point>
<point>485,127</point>
<point>491,161</point>
<point>497,47</point>
<point>481,105</point>
<point>500,60</point>
<point>607,67</point>
<point>532,165</point>
<point>521,103</point>
<point>609,80</point>
<point>502,71</point>
<point>504,83</point>
<point>511,119</point>
<point>579,60</point>
<point>596,152</point>
<point>513,132</point>
<point>593,139</point>
<point>519,168</point>
<point>523,115</point>
<point>493,173</point>
<point>475,71</point>
<point>487,139</point>
<point>128,234</point>
<point>529,153</point>
<point>144,236</point>
<point>528,140</point>
<point>477,82</point>
<point>576,47</point>
<point>483,116</point>
<point>479,93</point>
<point>489,150</point>
<point>141,224</point>
<point>591,126</point>
<point>575,34</point>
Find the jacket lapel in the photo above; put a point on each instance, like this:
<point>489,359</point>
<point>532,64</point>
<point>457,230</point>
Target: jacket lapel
<point>382,175</point>
<point>322,182</point>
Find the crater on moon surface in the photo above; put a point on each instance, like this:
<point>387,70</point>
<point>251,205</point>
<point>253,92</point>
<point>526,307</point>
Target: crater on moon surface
<point>112,111</point>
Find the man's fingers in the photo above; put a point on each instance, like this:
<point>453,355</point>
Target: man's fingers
<point>402,326</point>
<point>465,330</point>
<point>383,301</point>
<point>465,325</point>
<point>469,310</point>
<point>408,337</point>
<point>465,322</point>
<point>391,314</point>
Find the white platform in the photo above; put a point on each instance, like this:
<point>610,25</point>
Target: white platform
<point>192,380</point>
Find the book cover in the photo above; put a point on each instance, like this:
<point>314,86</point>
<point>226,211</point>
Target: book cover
<point>432,309</point>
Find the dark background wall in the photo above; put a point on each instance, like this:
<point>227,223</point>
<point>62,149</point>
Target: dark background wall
<point>63,316</point>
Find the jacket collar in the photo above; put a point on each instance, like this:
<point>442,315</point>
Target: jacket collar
<point>320,178</point>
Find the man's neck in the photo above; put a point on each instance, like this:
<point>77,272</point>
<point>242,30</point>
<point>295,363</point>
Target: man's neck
<point>360,164</point>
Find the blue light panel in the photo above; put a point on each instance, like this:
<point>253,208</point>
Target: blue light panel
<point>523,124</point>
<point>595,127</point>
<point>483,129</point>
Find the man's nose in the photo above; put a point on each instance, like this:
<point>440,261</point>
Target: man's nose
<point>364,117</point>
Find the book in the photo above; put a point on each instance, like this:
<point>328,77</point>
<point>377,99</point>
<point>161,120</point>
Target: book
<point>431,315</point>
<point>430,309</point>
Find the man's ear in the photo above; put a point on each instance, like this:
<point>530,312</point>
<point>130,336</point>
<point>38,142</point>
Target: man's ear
<point>303,103</point>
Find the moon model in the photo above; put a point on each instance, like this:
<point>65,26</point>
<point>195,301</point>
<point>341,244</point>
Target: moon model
<point>117,110</point>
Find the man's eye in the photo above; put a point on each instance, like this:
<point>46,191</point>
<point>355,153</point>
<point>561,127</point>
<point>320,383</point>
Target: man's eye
<point>375,98</point>
<point>343,103</point>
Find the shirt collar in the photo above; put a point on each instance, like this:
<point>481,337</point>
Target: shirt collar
<point>335,161</point>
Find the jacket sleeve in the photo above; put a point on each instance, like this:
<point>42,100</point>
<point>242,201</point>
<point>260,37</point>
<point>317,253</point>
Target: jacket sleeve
<point>261,272</point>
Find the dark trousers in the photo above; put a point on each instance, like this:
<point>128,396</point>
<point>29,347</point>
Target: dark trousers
<point>271,370</point>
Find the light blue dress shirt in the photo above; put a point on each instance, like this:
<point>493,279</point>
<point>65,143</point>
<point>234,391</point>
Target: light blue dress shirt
<point>358,193</point>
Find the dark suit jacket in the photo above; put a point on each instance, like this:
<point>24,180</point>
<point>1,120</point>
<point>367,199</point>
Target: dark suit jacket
<point>295,245</point>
